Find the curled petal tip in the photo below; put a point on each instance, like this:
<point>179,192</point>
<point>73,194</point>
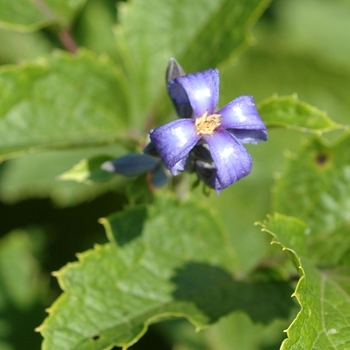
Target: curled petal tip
<point>173,70</point>
<point>199,90</point>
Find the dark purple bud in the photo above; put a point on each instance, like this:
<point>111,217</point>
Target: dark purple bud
<point>132,164</point>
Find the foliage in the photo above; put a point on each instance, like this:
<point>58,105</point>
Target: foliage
<point>153,265</point>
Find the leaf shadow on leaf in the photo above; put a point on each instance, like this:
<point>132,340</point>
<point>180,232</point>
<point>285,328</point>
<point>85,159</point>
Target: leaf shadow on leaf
<point>215,293</point>
<point>127,225</point>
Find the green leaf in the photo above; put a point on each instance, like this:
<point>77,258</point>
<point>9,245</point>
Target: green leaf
<point>61,101</point>
<point>19,271</point>
<point>149,33</point>
<point>18,47</point>
<point>88,171</point>
<point>316,188</point>
<point>169,260</point>
<point>22,288</point>
<point>36,175</point>
<point>27,15</point>
<point>290,113</point>
<point>238,330</point>
<point>323,294</point>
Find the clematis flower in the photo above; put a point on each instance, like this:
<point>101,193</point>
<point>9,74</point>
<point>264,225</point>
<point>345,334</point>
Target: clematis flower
<point>222,133</point>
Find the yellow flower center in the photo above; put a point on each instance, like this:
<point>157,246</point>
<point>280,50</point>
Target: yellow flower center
<point>206,124</point>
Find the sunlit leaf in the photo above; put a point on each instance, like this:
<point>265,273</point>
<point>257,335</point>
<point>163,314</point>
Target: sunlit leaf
<point>61,101</point>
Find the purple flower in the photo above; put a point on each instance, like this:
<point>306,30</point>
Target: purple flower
<point>195,97</point>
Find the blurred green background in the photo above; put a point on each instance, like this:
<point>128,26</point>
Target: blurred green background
<point>301,46</point>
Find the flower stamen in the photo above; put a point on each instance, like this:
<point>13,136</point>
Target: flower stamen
<point>206,124</point>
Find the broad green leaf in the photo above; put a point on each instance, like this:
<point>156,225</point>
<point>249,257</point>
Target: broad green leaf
<point>323,293</point>
<point>316,188</point>
<point>290,113</point>
<point>61,101</point>
<point>168,260</point>
<point>199,34</point>
<point>88,171</point>
<point>27,15</point>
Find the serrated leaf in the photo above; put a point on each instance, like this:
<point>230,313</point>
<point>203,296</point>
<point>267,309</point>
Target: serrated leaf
<point>324,319</point>
<point>149,33</point>
<point>175,262</point>
<point>290,113</point>
<point>61,101</point>
<point>27,15</point>
<point>88,171</point>
<point>316,188</point>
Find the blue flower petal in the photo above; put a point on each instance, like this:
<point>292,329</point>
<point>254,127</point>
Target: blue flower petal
<point>241,113</point>
<point>174,141</point>
<point>231,159</point>
<point>249,136</point>
<point>200,90</point>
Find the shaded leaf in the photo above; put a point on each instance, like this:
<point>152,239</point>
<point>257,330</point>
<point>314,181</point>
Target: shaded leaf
<point>238,330</point>
<point>19,270</point>
<point>22,288</point>
<point>27,15</point>
<point>61,101</point>
<point>290,113</point>
<point>324,319</point>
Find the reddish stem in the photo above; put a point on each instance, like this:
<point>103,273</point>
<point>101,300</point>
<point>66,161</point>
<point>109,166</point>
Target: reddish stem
<point>67,41</point>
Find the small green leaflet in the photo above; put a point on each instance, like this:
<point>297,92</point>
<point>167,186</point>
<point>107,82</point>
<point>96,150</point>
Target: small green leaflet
<point>290,113</point>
